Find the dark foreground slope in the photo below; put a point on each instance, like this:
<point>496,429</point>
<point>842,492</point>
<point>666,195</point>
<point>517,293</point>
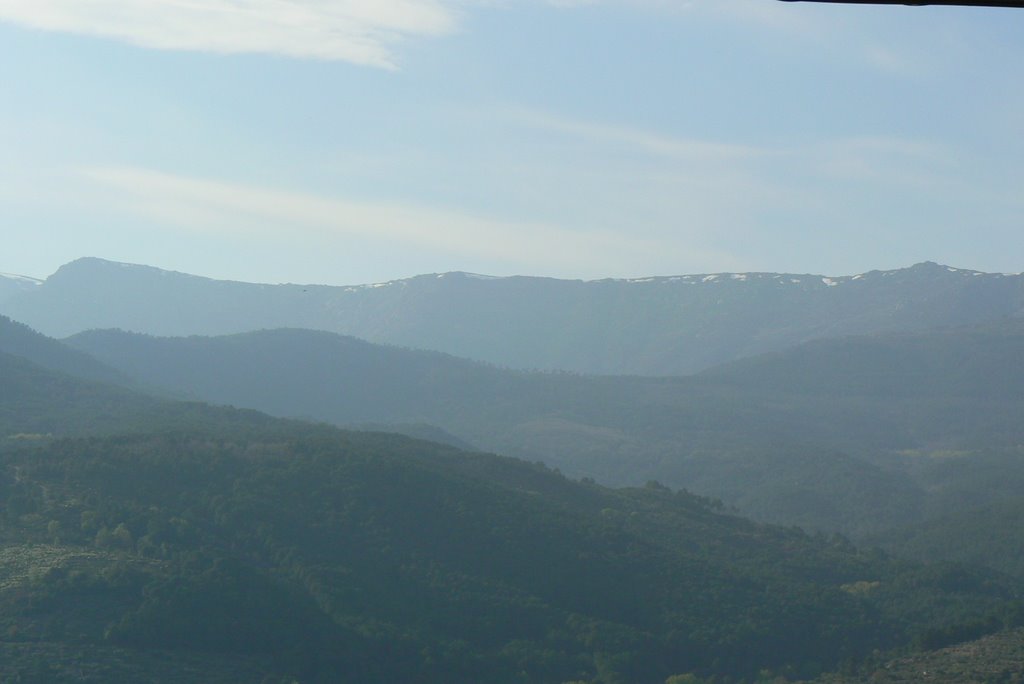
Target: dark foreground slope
<point>239,548</point>
<point>833,435</point>
<point>376,558</point>
<point>649,326</point>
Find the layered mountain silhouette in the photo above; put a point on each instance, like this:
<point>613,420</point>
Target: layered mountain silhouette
<point>18,339</point>
<point>155,540</point>
<point>147,538</point>
<point>649,326</point>
<point>821,435</point>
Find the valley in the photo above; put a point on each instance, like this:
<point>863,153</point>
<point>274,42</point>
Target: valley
<point>248,503</point>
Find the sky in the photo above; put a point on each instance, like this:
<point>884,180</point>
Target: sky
<point>355,141</point>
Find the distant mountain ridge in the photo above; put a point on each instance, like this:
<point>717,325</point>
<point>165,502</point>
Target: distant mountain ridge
<point>20,340</point>
<point>647,326</point>
<point>966,361</point>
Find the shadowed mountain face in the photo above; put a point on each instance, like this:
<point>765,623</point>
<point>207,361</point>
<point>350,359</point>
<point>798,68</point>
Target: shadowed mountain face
<point>985,361</point>
<point>818,436</point>
<point>650,326</point>
<point>20,340</point>
<point>37,402</point>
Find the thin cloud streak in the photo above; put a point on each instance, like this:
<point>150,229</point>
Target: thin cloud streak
<point>711,190</point>
<point>210,206</point>
<point>877,157</point>
<point>359,31</point>
<point>638,139</point>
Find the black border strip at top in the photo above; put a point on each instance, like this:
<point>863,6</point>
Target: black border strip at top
<point>965,3</point>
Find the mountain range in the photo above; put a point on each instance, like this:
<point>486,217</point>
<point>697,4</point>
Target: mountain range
<point>154,540</point>
<point>832,435</point>
<point>844,433</point>
<point>649,326</point>
<point>148,535</point>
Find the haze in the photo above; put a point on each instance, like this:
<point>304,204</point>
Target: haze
<point>344,142</point>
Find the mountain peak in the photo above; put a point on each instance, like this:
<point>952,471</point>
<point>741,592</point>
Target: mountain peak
<point>93,262</point>
<point>98,264</point>
<point>932,266</point>
<point>105,269</point>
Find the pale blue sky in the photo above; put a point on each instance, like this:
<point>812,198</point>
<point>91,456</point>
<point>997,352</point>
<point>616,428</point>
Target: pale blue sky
<point>348,141</point>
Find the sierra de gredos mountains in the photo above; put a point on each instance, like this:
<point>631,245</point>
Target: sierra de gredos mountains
<point>834,434</point>
<point>650,326</point>
<point>208,544</point>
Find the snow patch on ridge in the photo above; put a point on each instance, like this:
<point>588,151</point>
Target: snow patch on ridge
<point>26,280</point>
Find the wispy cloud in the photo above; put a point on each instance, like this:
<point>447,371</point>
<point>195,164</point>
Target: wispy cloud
<point>365,32</point>
<point>359,31</point>
<point>896,163</point>
<point>211,206</point>
<point>637,139</point>
<point>878,158</point>
<point>732,198</point>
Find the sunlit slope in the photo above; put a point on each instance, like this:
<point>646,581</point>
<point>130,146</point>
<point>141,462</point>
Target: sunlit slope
<point>996,658</point>
<point>650,326</point>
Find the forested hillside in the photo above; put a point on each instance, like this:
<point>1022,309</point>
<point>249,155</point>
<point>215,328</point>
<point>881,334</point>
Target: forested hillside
<point>38,403</point>
<point>381,559</point>
<point>986,530</point>
<point>144,538</point>
<point>767,435</point>
<point>978,362</point>
<point>997,659</point>
<point>19,340</point>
